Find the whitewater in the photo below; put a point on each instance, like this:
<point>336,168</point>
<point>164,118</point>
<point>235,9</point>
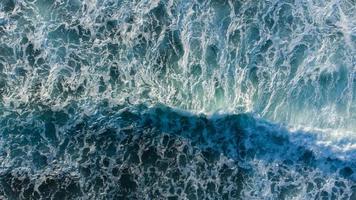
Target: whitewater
<point>177,99</point>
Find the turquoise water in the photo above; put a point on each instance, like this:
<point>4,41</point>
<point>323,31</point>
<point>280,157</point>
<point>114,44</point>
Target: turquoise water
<point>170,99</point>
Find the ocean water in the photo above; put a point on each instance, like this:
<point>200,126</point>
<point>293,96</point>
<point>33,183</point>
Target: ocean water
<point>178,99</point>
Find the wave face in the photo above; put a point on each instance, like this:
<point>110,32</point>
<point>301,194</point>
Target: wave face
<point>125,152</point>
<point>104,99</point>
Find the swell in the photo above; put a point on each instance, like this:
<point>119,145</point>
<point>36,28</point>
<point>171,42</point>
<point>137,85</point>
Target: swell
<point>159,152</point>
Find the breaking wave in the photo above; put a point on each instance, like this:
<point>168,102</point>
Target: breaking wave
<point>177,99</point>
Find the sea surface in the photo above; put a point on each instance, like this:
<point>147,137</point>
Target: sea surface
<point>178,99</point>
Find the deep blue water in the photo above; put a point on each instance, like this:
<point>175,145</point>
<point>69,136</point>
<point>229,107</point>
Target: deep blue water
<point>177,99</point>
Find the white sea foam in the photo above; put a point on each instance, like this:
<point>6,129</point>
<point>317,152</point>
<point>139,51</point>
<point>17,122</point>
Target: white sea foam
<point>291,64</point>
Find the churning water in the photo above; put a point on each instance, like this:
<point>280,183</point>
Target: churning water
<point>177,99</point>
